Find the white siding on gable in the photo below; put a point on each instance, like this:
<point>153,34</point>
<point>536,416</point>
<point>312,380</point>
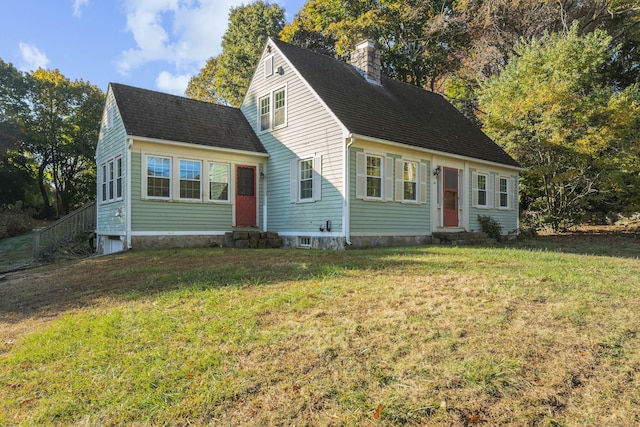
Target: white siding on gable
<point>310,130</point>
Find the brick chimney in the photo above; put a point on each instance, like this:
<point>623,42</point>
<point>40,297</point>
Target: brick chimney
<point>366,59</point>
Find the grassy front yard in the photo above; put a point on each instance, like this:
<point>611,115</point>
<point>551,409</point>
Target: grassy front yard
<point>440,336</point>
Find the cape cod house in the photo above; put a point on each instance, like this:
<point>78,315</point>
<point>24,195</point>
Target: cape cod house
<point>324,153</point>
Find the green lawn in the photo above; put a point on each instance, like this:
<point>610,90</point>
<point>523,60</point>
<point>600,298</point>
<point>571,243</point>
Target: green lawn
<point>15,251</point>
<point>441,336</point>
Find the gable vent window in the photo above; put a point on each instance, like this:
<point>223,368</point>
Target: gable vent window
<point>272,110</point>
<point>268,66</point>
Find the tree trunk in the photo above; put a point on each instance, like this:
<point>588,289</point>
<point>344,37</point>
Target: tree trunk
<point>43,191</point>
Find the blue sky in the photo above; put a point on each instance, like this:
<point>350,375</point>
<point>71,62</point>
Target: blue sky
<point>153,44</point>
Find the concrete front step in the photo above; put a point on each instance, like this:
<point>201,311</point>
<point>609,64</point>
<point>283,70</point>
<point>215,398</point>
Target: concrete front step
<point>462,238</point>
<point>252,240</point>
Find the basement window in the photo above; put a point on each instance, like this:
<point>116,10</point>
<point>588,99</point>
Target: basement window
<point>304,241</point>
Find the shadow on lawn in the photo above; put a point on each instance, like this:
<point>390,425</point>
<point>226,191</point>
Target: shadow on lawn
<point>619,242</point>
<point>53,289</point>
<point>56,288</point>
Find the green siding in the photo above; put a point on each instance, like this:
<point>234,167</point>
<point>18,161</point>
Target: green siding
<point>390,217</point>
<point>507,218</point>
<point>310,131</point>
<point>174,216</point>
<point>111,144</point>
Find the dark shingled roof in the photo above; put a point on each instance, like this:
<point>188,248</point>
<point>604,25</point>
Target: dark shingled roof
<point>158,115</point>
<point>393,111</point>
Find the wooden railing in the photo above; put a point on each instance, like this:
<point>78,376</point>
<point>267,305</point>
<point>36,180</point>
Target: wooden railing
<point>78,225</point>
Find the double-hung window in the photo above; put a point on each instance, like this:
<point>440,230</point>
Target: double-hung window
<point>481,190</point>
<point>374,177</point>
<point>219,182</point>
<point>272,110</point>
<point>104,183</point>
<point>190,179</point>
<point>503,192</point>
<point>410,181</point>
<point>118,178</point>
<point>306,176</point>
<point>111,180</point>
<point>158,177</point>
<point>265,113</point>
<point>279,102</point>
<point>306,179</point>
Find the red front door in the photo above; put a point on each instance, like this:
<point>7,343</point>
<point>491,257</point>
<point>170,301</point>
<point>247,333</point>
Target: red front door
<point>245,196</point>
<point>450,197</point>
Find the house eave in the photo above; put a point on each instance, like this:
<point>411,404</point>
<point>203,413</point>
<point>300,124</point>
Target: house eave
<point>439,153</point>
<point>193,145</point>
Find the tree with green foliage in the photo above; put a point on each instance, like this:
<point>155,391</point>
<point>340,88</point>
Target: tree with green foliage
<point>552,110</point>
<point>417,39</point>
<point>15,167</point>
<point>202,86</point>
<point>61,132</point>
<point>225,78</point>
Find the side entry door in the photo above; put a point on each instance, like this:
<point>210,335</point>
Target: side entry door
<point>450,197</point>
<point>246,204</point>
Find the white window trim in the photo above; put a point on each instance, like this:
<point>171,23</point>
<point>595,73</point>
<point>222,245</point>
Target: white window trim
<point>103,183</point>
<point>268,128</point>
<point>272,109</point>
<point>105,180</point>
<point>145,169</point>
<point>420,181</point>
<point>511,186</point>
<point>316,182</point>
<point>118,176</point>
<point>180,179</point>
<point>476,190</point>
<point>222,201</point>
<point>387,177</point>
<point>268,65</point>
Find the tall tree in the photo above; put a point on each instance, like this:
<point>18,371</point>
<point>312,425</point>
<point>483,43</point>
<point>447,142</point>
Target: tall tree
<point>226,77</point>
<point>61,131</point>
<point>417,38</point>
<point>15,167</point>
<point>202,86</point>
<point>551,110</point>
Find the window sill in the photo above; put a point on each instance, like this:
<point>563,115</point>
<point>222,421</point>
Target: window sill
<point>108,202</point>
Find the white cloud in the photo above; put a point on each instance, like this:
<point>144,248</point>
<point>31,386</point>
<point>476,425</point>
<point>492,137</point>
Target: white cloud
<point>171,83</point>
<point>77,6</point>
<point>31,57</point>
<point>183,33</point>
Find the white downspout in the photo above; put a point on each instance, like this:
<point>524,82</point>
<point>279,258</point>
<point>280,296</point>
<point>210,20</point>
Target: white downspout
<point>346,214</point>
<point>127,199</point>
<point>264,203</point>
